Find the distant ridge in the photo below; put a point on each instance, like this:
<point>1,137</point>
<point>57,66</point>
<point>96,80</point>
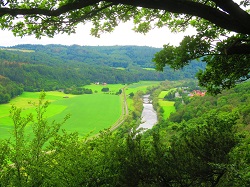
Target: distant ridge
<point>50,67</point>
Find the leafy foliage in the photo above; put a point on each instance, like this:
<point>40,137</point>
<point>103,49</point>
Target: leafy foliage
<point>234,100</point>
<point>226,64</point>
<point>105,89</point>
<point>27,159</point>
<point>77,90</point>
<point>8,89</point>
<point>211,149</point>
<point>53,67</point>
<point>222,29</point>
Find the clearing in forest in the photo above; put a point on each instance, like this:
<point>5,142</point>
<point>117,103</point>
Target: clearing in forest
<point>167,106</point>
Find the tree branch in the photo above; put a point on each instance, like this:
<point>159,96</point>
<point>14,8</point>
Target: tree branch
<point>92,13</point>
<point>211,14</point>
<point>234,10</point>
<point>47,12</point>
<point>230,17</point>
<point>238,49</point>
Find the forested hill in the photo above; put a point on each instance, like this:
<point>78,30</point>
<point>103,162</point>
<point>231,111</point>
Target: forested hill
<point>113,56</point>
<point>50,67</point>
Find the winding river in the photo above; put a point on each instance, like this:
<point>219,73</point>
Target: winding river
<point>149,116</point>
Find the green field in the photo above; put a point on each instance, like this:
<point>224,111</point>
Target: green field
<point>22,50</point>
<point>134,87</point>
<point>89,113</point>
<point>167,106</point>
<point>113,88</point>
<point>150,69</point>
<point>141,86</point>
<point>120,68</point>
<point>164,93</point>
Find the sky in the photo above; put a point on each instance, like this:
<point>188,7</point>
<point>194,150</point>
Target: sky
<point>122,35</point>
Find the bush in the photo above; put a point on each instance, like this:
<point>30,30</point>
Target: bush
<point>105,89</point>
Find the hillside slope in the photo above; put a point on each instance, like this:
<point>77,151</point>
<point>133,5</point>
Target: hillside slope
<point>51,67</point>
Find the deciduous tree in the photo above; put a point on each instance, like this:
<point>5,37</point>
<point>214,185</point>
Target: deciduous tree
<point>221,39</point>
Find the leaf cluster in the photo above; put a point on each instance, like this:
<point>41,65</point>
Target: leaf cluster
<point>201,153</point>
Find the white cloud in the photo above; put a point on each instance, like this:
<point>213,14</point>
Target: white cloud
<point>123,35</point>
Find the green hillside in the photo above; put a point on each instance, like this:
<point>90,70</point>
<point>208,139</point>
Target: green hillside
<point>53,67</point>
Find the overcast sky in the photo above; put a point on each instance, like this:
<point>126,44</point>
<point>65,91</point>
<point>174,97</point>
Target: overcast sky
<point>123,35</point>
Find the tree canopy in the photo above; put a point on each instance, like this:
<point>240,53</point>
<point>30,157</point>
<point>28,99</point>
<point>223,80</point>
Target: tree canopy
<point>208,147</point>
<point>222,29</point>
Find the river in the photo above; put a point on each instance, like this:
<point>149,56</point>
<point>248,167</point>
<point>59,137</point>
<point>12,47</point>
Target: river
<point>149,116</point>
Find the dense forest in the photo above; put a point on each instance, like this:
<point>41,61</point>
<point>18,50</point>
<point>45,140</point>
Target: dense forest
<point>53,67</point>
<point>8,89</point>
<point>207,146</point>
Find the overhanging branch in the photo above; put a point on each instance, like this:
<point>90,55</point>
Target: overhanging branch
<point>47,12</point>
<point>91,14</point>
<point>211,14</point>
<point>227,20</point>
<point>234,10</point>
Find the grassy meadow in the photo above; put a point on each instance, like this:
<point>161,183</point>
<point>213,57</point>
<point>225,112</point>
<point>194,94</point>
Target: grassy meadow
<point>150,69</point>
<point>134,87</point>
<point>162,94</point>
<point>141,86</point>
<point>113,88</point>
<point>167,106</point>
<point>89,113</point>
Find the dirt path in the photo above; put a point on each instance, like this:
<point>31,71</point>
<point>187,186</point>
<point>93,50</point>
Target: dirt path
<point>124,111</point>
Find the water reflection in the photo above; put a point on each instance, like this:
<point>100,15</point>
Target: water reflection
<point>149,116</point>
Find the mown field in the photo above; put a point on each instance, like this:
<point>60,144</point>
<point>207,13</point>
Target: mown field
<point>141,86</point>
<point>89,113</point>
<point>134,87</point>
<point>167,106</point>
<point>113,88</point>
